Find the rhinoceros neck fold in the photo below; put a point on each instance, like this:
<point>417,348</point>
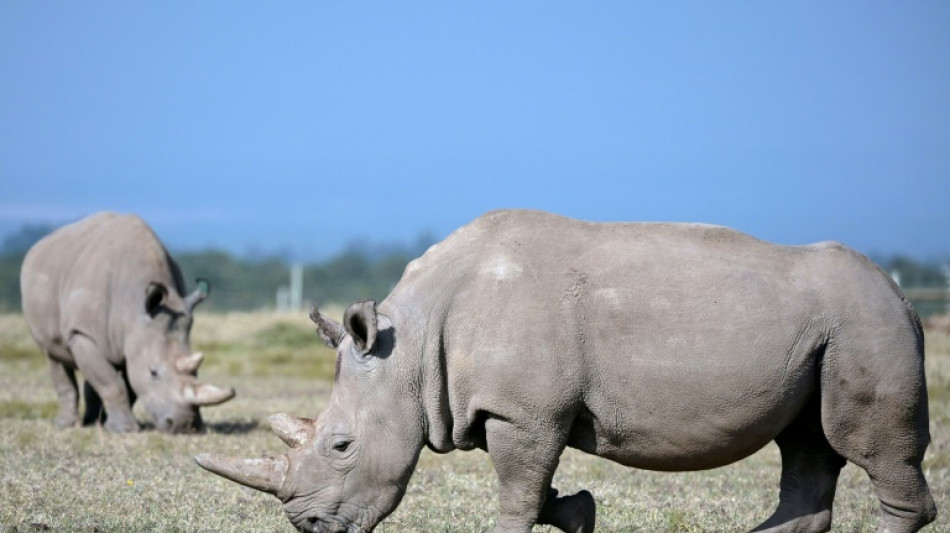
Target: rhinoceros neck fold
<point>435,396</point>
<point>419,327</point>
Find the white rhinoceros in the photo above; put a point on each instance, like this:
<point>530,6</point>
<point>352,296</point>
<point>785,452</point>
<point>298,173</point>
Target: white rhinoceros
<point>658,346</point>
<point>103,296</point>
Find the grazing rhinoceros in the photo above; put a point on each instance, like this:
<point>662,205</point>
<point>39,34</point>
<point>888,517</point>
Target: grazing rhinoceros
<point>658,346</point>
<point>103,296</point>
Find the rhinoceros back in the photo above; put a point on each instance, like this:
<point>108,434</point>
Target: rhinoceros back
<point>635,325</point>
<point>90,277</point>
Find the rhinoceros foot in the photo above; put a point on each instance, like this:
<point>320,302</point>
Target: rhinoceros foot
<point>576,513</point>
<point>121,424</point>
<point>66,420</point>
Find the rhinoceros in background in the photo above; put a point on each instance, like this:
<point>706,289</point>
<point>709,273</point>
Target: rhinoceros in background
<point>103,296</point>
<point>659,346</point>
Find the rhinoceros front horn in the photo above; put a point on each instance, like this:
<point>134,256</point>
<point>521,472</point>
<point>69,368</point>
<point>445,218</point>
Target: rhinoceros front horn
<point>207,394</point>
<point>266,474</point>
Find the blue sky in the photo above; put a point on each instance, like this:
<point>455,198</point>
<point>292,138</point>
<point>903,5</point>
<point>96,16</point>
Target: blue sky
<point>302,126</point>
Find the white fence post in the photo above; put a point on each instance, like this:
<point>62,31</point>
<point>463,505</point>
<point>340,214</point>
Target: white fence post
<point>296,287</point>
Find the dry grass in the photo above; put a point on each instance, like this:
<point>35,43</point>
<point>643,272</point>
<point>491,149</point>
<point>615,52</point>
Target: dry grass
<point>87,480</point>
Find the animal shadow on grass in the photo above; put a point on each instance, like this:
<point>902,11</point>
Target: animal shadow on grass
<point>233,428</point>
<point>225,428</point>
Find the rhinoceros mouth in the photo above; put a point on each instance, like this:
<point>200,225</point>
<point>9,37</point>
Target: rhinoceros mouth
<point>358,520</point>
<point>330,525</point>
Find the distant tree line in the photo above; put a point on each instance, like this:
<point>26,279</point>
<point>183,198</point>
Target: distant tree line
<point>357,273</point>
<point>244,284</point>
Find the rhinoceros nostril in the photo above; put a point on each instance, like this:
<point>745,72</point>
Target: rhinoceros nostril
<point>314,525</point>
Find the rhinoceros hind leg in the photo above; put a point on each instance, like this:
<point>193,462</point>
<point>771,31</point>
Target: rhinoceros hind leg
<point>571,514</point>
<point>95,414</point>
<point>810,469</point>
<point>875,415</point>
<point>905,498</point>
<point>898,443</point>
<point>64,381</point>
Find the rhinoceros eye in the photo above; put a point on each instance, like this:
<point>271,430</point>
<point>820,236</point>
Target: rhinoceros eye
<point>341,446</point>
<point>154,372</point>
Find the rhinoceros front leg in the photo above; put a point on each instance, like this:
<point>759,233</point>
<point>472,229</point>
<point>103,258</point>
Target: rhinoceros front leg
<point>107,381</point>
<point>64,382</point>
<point>525,461</point>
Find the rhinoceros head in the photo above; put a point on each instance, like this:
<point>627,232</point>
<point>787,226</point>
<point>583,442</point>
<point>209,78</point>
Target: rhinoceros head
<point>161,367</point>
<point>347,469</point>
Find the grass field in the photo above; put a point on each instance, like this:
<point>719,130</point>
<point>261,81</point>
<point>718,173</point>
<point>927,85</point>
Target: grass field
<point>87,480</point>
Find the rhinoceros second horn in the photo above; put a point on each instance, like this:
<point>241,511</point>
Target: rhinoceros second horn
<point>189,364</point>
<point>207,394</point>
<point>295,432</point>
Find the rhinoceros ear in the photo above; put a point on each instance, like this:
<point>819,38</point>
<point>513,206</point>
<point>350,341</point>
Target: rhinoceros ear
<point>330,331</point>
<point>360,322</point>
<point>200,293</point>
<point>154,296</point>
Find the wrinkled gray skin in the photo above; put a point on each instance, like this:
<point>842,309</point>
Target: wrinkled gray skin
<point>659,346</point>
<point>103,296</point>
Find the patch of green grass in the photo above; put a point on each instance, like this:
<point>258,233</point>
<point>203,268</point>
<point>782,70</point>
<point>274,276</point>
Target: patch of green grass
<point>26,439</point>
<point>312,362</point>
<point>938,390</point>
<point>676,520</point>
<point>17,352</point>
<point>234,368</point>
<point>938,395</point>
<point>286,335</point>
<point>27,410</point>
<point>278,348</point>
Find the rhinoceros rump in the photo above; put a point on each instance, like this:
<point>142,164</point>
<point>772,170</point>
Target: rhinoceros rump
<point>103,296</point>
<point>658,346</point>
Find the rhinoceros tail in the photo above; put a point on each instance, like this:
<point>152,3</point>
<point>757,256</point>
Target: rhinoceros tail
<point>912,313</point>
